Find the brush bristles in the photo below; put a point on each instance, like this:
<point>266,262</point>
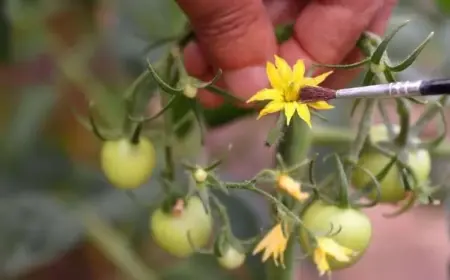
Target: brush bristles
<point>314,94</point>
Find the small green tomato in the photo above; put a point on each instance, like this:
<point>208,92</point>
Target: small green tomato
<point>127,165</point>
<point>170,230</point>
<point>351,228</point>
<point>231,258</point>
<point>200,175</point>
<point>391,187</point>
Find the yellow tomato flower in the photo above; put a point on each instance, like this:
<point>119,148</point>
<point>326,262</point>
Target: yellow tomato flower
<point>327,246</point>
<point>292,187</point>
<point>274,244</point>
<point>286,89</point>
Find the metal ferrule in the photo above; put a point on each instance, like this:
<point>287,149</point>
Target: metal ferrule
<point>399,89</point>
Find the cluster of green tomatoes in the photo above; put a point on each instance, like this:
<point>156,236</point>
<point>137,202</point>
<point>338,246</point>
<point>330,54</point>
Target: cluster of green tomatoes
<point>184,226</point>
<point>352,227</point>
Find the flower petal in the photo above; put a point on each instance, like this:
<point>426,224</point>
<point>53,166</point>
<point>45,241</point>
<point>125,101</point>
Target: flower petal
<point>299,195</point>
<point>276,255</point>
<point>284,70</point>
<point>274,244</point>
<point>332,248</point>
<point>274,77</point>
<point>291,187</point>
<point>299,71</point>
<point>272,107</point>
<point>289,110</point>
<point>303,113</point>
<point>267,94</point>
<point>298,76</point>
<point>262,244</point>
<point>267,253</point>
<point>283,265</point>
<point>321,105</point>
<point>316,80</point>
<point>321,262</point>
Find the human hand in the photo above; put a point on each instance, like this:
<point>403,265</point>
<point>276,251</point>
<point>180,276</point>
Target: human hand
<point>238,37</point>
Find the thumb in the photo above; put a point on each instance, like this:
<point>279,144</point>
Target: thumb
<point>234,35</point>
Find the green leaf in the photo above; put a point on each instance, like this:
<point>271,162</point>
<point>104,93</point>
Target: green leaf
<point>276,133</point>
<point>344,66</point>
<point>224,93</point>
<point>32,111</point>
<point>180,108</point>
<point>199,267</point>
<point>35,230</point>
<point>164,85</point>
<point>444,6</point>
<point>283,32</point>
<point>108,103</point>
<point>382,47</point>
<point>368,79</point>
<point>434,143</point>
<point>355,105</point>
<point>343,183</point>
<point>154,19</point>
<point>5,35</point>
<point>115,247</point>
<point>412,57</point>
<point>158,114</point>
<point>404,113</point>
<point>225,114</point>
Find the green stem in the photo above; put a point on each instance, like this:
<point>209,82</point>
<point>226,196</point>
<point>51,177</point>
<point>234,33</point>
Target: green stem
<point>294,148</point>
<point>115,247</point>
<point>340,136</point>
<point>363,132</point>
<point>430,112</point>
<point>169,171</point>
<point>296,143</point>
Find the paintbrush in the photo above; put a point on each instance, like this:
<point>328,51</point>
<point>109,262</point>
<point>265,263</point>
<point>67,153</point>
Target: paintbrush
<point>391,90</point>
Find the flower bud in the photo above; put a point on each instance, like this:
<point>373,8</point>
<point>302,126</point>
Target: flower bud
<point>292,187</point>
<point>190,90</point>
<point>200,175</point>
<point>377,68</point>
<point>231,258</point>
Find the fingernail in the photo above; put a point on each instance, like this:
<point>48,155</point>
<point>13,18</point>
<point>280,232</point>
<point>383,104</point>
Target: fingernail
<point>245,82</point>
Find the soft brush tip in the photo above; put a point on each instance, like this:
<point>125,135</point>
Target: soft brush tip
<point>314,94</point>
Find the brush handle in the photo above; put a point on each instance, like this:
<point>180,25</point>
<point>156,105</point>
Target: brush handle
<point>399,89</point>
<point>435,87</point>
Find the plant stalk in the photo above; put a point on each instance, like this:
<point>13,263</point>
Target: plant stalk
<point>169,171</point>
<point>294,149</point>
<point>325,136</point>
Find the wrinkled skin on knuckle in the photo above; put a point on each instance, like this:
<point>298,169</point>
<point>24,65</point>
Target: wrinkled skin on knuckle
<point>230,32</point>
<point>357,6</point>
<point>333,35</point>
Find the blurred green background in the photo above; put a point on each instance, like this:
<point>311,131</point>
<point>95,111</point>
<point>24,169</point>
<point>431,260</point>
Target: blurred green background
<point>48,161</point>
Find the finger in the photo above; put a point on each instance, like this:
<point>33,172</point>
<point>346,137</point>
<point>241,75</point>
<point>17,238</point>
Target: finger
<point>284,11</point>
<point>341,78</point>
<point>197,66</point>
<point>194,61</point>
<point>236,36</point>
<point>326,31</point>
<point>209,99</point>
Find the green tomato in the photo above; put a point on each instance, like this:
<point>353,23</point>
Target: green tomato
<point>231,258</point>
<point>379,132</point>
<point>391,187</point>
<point>351,228</point>
<point>170,231</point>
<point>128,165</point>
